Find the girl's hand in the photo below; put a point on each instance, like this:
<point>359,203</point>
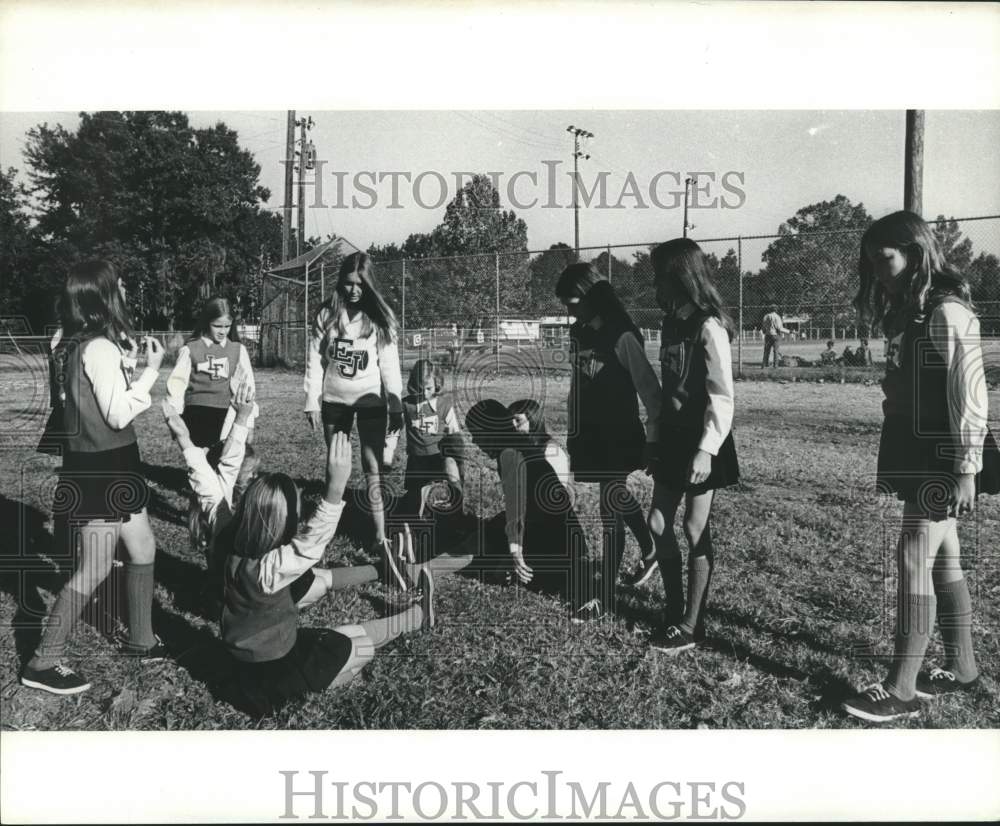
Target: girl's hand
<point>243,402</point>
<point>154,352</point>
<point>312,416</point>
<point>395,422</point>
<point>521,568</point>
<point>338,467</point>
<point>963,495</point>
<point>701,467</point>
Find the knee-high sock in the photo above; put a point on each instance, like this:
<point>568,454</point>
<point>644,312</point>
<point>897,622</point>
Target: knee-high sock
<point>914,622</point>
<point>954,613</point>
<point>139,599</point>
<point>672,573</point>
<point>699,576</point>
<point>59,625</point>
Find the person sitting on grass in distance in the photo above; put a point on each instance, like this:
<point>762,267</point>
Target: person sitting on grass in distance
<point>863,355</point>
<point>829,355</point>
<point>271,552</point>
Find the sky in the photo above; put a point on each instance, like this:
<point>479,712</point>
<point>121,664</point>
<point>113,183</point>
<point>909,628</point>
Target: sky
<point>766,166</point>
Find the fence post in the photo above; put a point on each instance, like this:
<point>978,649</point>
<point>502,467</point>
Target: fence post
<point>322,282</point>
<point>739,340</point>
<point>497,343</point>
<point>609,263</point>
<point>403,310</point>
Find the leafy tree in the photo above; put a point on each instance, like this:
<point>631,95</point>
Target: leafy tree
<point>545,269</point>
<point>814,259</point>
<point>957,250</point>
<point>18,252</point>
<point>176,208</point>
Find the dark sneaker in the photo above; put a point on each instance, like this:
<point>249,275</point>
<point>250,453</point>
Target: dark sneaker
<point>647,567</point>
<point>391,575</point>
<point>425,581</point>
<point>876,705</point>
<point>147,656</point>
<point>673,640</point>
<point>940,682</point>
<point>588,612</point>
<point>56,680</point>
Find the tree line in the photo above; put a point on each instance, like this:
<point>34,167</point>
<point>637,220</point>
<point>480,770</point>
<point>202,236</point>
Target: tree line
<point>182,213</point>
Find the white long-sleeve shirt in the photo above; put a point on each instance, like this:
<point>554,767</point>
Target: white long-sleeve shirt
<point>120,398</point>
<point>954,333</point>
<point>344,368</point>
<point>281,566</point>
<point>632,356</point>
<point>719,384</point>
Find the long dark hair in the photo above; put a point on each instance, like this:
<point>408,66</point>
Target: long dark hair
<point>584,282</point>
<point>91,304</point>
<point>682,262</point>
<point>376,314</point>
<point>489,424</point>
<point>538,435</point>
<point>927,275</point>
<point>422,368</point>
<point>214,309</point>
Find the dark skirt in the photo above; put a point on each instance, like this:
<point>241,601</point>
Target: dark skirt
<point>318,656</point>
<point>677,449</point>
<point>597,453</point>
<point>204,423</point>
<point>920,470</point>
<point>106,485</point>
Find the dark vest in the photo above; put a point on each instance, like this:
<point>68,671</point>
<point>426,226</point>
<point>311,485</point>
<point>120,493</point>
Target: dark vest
<point>916,379</point>
<point>256,627</point>
<point>85,427</point>
<point>211,368</point>
<point>605,395</point>
<point>684,373</point>
<point>424,426</point>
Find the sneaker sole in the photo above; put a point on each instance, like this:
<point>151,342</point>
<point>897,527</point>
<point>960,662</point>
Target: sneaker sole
<point>644,578</point>
<point>875,718</point>
<point>61,691</point>
<point>426,580</point>
<point>674,649</point>
<point>393,570</point>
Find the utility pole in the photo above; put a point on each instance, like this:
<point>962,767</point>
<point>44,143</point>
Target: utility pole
<point>577,154</point>
<point>306,161</point>
<point>687,187</point>
<point>913,172</point>
<point>286,215</point>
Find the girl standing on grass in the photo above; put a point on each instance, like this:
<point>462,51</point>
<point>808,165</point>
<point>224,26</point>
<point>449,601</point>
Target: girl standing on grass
<point>269,553</point>
<point>433,438</point>
<point>101,488</point>
<point>605,437</point>
<point>353,370</point>
<point>209,368</point>
<point>935,453</point>
<point>696,453</point>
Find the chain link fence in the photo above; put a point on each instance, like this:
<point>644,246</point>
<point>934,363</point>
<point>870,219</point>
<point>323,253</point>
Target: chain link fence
<point>497,306</point>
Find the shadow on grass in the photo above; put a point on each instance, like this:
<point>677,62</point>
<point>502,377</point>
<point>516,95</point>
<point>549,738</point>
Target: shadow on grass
<point>167,476</point>
<point>32,560</point>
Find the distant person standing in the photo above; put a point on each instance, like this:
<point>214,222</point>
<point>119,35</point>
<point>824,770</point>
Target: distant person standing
<point>772,327</point>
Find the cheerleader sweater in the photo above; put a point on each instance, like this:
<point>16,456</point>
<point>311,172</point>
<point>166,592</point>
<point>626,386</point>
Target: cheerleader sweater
<point>345,368</point>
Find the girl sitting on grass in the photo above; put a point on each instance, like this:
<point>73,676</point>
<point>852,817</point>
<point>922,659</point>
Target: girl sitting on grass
<point>270,552</point>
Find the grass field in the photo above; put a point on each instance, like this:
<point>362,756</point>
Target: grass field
<point>804,578</point>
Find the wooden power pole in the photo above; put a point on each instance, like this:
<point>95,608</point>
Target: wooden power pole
<point>913,174</point>
<point>286,216</point>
